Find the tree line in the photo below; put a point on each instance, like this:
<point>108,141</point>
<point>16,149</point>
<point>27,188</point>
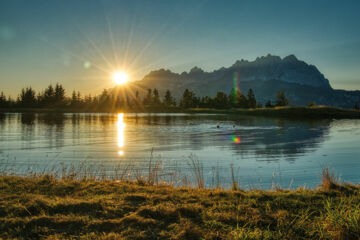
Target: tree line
<point>235,99</point>
<point>55,97</point>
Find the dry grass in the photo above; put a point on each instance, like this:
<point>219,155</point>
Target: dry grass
<point>329,180</point>
<point>197,169</point>
<point>43,207</point>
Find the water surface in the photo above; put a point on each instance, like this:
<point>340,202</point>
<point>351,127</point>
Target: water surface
<point>262,151</point>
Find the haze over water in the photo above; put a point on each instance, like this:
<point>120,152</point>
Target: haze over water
<point>263,151</point>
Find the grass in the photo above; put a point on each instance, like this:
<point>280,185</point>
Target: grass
<point>45,207</point>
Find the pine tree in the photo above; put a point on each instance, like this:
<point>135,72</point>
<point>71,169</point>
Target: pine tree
<point>189,99</point>
<point>27,97</point>
<point>74,99</point>
<point>221,100</point>
<point>281,99</point>
<point>310,104</point>
<point>268,104</point>
<point>48,96</point>
<point>206,102</point>
<point>156,97</point>
<point>356,106</point>
<point>148,98</point>
<point>59,95</point>
<point>168,99</point>
<point>3,102</point>
<point>251,99</point>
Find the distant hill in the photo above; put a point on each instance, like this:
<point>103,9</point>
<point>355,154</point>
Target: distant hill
<point>266,75</point>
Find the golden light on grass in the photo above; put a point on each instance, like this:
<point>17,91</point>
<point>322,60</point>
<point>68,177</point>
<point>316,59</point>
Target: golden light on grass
<point>120,77</point>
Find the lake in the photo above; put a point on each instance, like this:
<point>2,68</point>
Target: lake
<point>262,152</point>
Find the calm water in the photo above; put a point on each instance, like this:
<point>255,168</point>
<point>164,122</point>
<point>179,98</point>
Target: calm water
<point>262,150</point>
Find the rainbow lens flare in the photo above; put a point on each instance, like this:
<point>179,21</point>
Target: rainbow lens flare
<point>236,140</point>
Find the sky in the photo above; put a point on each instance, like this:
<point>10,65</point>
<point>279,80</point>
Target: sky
<point>80,43</point>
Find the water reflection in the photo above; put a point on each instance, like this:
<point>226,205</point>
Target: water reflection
<point>121,133</point>
<point>259,139</point>
<point>28,118</point>
<point>251,142</point>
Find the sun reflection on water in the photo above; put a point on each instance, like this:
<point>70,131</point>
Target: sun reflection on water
<point>121,134</point>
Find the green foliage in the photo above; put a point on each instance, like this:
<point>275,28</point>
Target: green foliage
<point>238,100</point>
<point>220,101</point>
<point>3,101</point>
<point>341,219</point>
<point>206,102</point>
<point>148,98</point>
<point>119,99</point>
<point>251,99</point>
<point>268,104</point>
<point>311,104</point>
<point>27,97</point>
<point>189,100</point>
<point>156,98</point>
<point>59,95</point>
<point>356,106</point>
<point>281,99</point>
<point>168,99</point>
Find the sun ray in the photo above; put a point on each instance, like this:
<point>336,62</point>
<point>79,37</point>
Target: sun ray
<point>111,39</point>
<point>97,49</point>
<point>78,57</point>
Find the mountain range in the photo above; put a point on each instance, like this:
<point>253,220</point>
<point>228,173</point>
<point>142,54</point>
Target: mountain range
<point>266,75</point>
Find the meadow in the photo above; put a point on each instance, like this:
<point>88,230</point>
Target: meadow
<point>50,207</point>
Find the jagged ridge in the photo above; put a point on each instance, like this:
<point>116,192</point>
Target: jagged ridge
<point>266,75</point>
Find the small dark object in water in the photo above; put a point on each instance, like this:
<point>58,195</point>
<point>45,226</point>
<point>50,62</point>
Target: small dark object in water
<point>217,126</point>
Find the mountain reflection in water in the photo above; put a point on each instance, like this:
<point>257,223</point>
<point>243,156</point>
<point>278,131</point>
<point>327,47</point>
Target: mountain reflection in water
<point>257,146</point>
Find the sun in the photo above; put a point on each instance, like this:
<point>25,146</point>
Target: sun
<point>120,77</point>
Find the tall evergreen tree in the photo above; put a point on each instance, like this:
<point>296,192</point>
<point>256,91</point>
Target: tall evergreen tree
<point>148,98</point>
<point>237,99</point>
<point>59,95</point>
<point>3,101</point>
<point>268,104</point>
<point>251,99</point>
<point>168,99</point>
<point>48,96</point>
<point>27,97</point>
<point>356,106</point>
<point>221,100</point>
<point>79,97</point>
<point>74,99</point>
<point>189,100</point>
<point>104,99</point>
<point>281,99</point>
<point>156,97</point>
<point>88,101</point>
<point>206,102</point>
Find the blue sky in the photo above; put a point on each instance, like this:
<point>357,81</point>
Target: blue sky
<point>79,43</point>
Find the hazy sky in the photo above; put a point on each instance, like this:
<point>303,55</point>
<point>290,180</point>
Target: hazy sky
<point>79,43</point>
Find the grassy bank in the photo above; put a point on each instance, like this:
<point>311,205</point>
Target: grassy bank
<point>287,112</point>
<point>46,208</point>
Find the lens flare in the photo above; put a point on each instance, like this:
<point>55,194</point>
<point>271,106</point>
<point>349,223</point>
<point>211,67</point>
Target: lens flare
<point>236,88</point>
<point>235,139</point>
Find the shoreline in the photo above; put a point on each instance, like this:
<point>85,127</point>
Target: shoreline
<point>286,112</point>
